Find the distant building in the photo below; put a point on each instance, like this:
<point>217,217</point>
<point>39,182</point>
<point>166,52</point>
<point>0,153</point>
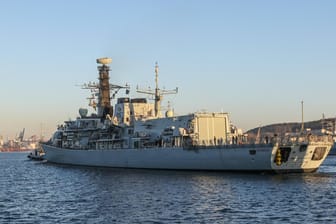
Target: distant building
<point>1,141</point>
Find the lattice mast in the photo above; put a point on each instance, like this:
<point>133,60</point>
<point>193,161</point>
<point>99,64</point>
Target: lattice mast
<point>104,99</point>
<point>102,90</point>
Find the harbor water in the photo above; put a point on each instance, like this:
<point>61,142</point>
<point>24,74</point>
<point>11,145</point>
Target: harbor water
<point>39,192</point>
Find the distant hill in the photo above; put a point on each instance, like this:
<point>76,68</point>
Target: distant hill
<point>279,129</point>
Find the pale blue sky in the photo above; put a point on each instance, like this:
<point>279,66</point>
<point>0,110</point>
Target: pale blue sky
<point>254,59</point>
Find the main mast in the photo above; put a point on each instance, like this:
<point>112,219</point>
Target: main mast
<point>302,120</point>
<point>157,105</point>
<point>158,93</point>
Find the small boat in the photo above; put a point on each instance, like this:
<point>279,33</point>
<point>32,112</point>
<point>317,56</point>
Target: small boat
<point>36,154</point>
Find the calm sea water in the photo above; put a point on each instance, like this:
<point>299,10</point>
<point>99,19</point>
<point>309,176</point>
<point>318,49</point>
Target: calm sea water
<point>38,192</point>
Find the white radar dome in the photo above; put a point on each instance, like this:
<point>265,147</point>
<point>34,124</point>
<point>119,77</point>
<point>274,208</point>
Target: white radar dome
<point>83,112</point>
<point>104,61</point>
<point>169,113</point>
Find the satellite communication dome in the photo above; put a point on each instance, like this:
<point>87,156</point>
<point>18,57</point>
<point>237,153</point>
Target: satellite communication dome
<point>104,61</point>
<point>169,113</point>
<point>83,112</point>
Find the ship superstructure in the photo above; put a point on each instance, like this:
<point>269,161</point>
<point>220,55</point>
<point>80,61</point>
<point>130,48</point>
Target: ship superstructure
<point>134,134</point>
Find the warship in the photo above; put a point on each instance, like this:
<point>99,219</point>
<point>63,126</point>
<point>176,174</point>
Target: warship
<point>135,133</point>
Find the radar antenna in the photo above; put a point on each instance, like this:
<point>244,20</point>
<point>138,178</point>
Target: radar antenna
<point>157,93</point>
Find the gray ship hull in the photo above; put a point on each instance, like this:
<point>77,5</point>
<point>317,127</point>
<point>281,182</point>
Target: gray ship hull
<point>219,159</point>
<point>165,158</point>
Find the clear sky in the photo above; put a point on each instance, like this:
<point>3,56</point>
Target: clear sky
<point>254,59</point>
